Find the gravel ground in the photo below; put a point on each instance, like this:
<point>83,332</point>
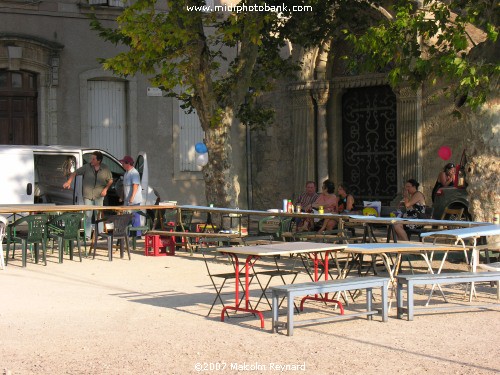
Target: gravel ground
<point>148,315</point>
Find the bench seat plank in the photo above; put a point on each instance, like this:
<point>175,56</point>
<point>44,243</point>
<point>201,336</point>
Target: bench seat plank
<point>442,278</point>
<point>323,287</point>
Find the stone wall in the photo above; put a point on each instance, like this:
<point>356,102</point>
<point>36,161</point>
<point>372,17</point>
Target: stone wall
<point>483,169</point>
<point>439,128</point>
<point>281,164</point>
<point>272,151</point>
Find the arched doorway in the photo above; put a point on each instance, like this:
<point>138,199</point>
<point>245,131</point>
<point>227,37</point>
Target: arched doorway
<point>18,108</point>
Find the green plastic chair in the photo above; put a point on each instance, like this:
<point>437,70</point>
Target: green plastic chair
<point>119,232</point>
<point>66,229</point>
<point>28,230</point>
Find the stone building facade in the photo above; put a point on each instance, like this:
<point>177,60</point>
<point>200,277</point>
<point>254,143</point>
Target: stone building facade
<point>53,90</point>
<point>357,130</point>
<point>329,123</point>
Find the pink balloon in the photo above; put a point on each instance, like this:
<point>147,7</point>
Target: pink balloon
<point>444,152</point>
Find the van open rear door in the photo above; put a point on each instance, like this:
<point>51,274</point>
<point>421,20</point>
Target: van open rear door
<point>17,176</point>
<point>141,164</point>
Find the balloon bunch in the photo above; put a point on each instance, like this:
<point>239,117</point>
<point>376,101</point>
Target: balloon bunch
<point>202,150</point>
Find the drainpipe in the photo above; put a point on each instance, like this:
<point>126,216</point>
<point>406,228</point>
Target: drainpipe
<point>251,90</point>
<point>249,168</point>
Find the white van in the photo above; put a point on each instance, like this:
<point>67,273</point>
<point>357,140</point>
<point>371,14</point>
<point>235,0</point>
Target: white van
<point>36,174</point>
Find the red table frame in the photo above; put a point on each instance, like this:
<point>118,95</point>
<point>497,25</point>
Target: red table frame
<point>253,253</point>
<point>249,262</point>
<point>317,261</point>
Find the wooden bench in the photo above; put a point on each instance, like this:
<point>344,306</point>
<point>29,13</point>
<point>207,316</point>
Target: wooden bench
<point>443,278</point>
<point>323,287</point>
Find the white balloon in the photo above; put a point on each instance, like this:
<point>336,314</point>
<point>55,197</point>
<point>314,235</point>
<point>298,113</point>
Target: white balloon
<point>202,160</point>
<point>204,157</point>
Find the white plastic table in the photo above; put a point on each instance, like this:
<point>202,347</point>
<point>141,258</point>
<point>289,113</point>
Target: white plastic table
<point>400,248</point>
<point>369,221</point>
<point>460,236</point>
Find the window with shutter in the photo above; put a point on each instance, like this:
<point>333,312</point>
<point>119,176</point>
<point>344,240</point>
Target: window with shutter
<point>107,115</point>
<point>190,134</point>
<point>111,3</point>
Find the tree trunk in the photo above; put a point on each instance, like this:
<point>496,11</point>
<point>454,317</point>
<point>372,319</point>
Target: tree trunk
<point>222,187</point>
<point>483,169</point>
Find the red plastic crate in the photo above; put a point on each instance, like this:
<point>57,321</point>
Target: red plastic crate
<point>156,245</point>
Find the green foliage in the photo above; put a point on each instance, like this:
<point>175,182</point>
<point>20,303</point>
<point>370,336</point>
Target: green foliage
<point>216,119</point>
<point>420,45</point>
<point>256,115</point>
<point>182,52</point>
<point>208,60</point>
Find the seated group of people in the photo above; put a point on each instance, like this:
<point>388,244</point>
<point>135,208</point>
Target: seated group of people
<point>413,201</point>
<point>310,200</point>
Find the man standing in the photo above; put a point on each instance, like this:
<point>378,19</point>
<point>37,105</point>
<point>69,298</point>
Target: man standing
<point>307,198</point>
<point>97,179</point>
<point>132,192</point>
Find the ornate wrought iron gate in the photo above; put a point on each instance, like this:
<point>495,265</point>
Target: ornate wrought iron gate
<point>369,142</point>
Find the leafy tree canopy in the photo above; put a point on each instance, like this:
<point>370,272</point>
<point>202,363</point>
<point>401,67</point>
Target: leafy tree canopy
<point>433,41</point>
<point>184,50</point>
<point>207,60</point>
<point>210,60</point>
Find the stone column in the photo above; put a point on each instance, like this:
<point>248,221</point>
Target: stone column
<point>409,135</point>
<point>320,95</point>
<point>302,118</point>
<point>335,146</point>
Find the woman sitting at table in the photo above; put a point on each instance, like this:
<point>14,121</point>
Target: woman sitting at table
<point>346,200</point>
<point>445,178</point>
<point>414,202</point>
<point>328,200</point>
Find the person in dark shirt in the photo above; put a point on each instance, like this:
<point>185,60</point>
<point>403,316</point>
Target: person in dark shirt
<point>308,197</point>
<point>445,178</point>
<point>305,201</point>
<point>346,200</point>
<point>414,202</point>
<point>97,179</point>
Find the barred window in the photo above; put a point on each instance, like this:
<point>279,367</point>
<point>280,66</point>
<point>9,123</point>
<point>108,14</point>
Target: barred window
<point>111,3</point>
